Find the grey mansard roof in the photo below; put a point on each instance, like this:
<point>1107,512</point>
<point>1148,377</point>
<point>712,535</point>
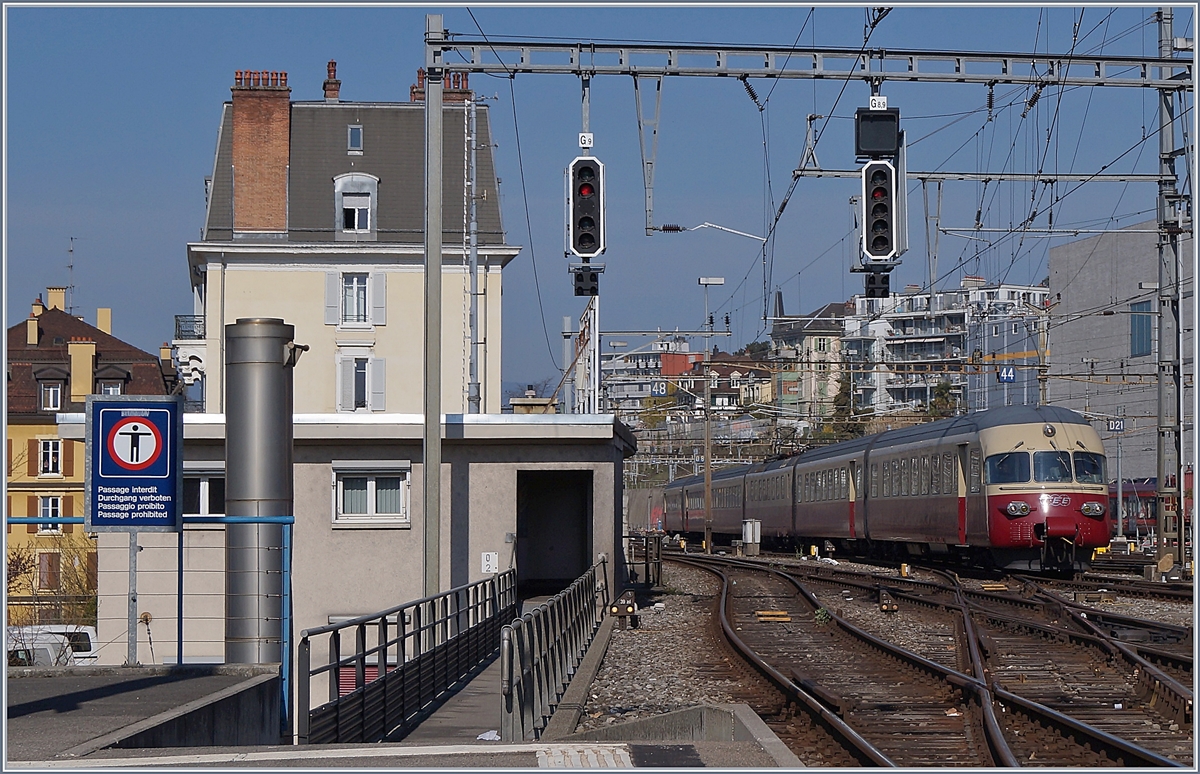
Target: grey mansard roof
<point>393,151</point>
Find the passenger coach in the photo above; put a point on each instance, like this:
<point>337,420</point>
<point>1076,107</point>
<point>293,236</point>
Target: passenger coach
<point>1017,487</point>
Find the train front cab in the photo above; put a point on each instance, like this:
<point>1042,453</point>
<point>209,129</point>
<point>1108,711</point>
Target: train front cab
<point>1046,491</point>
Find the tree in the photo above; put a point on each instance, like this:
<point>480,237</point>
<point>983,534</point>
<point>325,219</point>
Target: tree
<point>942,403</point>
<point>755,349</point>
<point>53,581</point>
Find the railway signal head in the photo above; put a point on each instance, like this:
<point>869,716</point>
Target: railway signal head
<point>587,282</point>
<point>878,285</point>
<point>585,224</point>
<point>879,216</point>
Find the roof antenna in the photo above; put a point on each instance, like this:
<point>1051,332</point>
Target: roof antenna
<point>71,277</point>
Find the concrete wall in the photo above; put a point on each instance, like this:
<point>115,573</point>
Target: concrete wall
<point>350,570</point>
<point>1088,277</point>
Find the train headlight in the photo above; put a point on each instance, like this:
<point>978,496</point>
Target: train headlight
<point>1017,508</point>
<point>1092,509</point>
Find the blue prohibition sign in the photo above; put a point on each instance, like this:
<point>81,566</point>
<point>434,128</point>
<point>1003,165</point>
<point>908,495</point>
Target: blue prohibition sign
<point>135,443</point>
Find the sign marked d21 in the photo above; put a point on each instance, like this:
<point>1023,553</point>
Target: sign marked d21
<point>134,463</point>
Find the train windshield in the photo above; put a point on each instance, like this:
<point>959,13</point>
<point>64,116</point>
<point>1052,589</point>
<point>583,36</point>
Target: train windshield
<point>1010,468</point>
<point>1052,466</point>
<point>1089,468</point>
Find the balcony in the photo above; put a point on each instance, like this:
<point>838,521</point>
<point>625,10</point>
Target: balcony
<point>189,327</point>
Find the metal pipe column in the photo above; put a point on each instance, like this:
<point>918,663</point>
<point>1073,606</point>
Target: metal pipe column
<point>432,436</point>
<point>258,474</point>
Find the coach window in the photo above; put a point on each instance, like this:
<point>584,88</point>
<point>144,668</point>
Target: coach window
<point>1007,468</point>
<point>904,477</point>
<point>974,484</point>
<point>925,474</point>
<point>887,479</point>
<point>1051,466</point>
<point>874,480</point>
<point>949,475</point>
<point>935,479</point>
<point>845,476</point>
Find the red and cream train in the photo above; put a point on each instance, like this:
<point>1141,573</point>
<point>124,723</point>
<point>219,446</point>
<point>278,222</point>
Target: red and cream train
<point>1020,488</point>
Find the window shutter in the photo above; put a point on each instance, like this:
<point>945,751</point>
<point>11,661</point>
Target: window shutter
<point>68,509</point>
<point>68,453</point>
<point>378,376</point>
<point>8,468</point>
<point>8,512</point>
<point>378,298</point>
<point>346,377</point>
<point>33,458</point>
<point>31,509</point>
<point>333,297</point>
<point>93,570</point>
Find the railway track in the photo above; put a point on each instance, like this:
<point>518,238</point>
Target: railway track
<point>914,709</point>
<point>1092,585</point>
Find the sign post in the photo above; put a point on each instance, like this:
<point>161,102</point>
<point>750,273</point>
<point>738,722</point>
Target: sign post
<point>134,473</point>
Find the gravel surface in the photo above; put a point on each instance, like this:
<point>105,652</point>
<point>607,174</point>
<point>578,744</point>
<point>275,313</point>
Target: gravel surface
<point>666,663</point>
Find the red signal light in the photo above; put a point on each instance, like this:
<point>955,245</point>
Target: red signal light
<point>586,189</point>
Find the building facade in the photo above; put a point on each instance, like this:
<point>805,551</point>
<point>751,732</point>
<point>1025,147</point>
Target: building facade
<point>900,351</point>
<point>806,353</point>
<point>55,360</point>
<point>315,215</point>
<point>1104,338</point>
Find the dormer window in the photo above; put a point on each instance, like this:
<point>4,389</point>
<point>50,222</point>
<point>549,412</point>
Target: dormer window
<point>354,140</point>
<point>52,396</point>
<point>356,207</point>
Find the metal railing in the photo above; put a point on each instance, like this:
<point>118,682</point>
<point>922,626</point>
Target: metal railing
<point>400,660</point>
<point>540,650</point>
<point>189,327</point>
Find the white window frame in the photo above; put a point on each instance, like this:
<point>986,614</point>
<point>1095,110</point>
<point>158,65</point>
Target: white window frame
<point>375,310</point>
<point>351,148</point>
<point>107,387</point>
<point>205,478</point>
<point>362,215</point>
<point>50,388</point>
<point>372,470</point>
<point>355,317</point>
<point>50,507</point>
<point>375,380</point>
<point>50,449</point>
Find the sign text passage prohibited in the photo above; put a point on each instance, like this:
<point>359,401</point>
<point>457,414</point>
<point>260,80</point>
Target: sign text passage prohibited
<point>134,460</point>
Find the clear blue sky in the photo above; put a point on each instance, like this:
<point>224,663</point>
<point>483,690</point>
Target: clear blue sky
<point>112,118</point>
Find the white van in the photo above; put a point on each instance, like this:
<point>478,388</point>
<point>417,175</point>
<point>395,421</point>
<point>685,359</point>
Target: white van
<point>39,649</point>
<point>81,639</point>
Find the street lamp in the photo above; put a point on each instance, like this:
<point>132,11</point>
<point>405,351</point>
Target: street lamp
<point>706,282</point>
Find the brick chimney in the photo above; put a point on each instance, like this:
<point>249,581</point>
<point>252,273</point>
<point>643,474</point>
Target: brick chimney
<point>38,306</point>
<point>81,353</point>
<point>58,298</point>
<point>104,319</point>
<point>454,88</point>
<point>332,85</point>
<point>262,114</point>
<point>31,331</point>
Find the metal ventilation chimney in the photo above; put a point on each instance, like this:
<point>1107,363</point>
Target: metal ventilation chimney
<point>259,356</point>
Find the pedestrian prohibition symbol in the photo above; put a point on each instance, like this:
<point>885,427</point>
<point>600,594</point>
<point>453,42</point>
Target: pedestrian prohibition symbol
<point>134,462</point>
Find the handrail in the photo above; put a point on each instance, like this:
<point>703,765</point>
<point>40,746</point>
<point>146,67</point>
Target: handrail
<point>418,650</point>
<point>540,651</point>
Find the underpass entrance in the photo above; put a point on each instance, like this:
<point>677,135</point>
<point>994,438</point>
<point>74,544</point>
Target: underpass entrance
<point>554,529</point>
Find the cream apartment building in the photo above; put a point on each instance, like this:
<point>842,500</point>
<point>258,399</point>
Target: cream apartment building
<point>315,214</point>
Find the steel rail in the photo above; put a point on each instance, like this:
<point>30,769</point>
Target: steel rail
<point>866,752</point>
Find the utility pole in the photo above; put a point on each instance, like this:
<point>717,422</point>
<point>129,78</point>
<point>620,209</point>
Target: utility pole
<point>706,282</point>
<point>432,434</point>
<point>1169,506</point>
